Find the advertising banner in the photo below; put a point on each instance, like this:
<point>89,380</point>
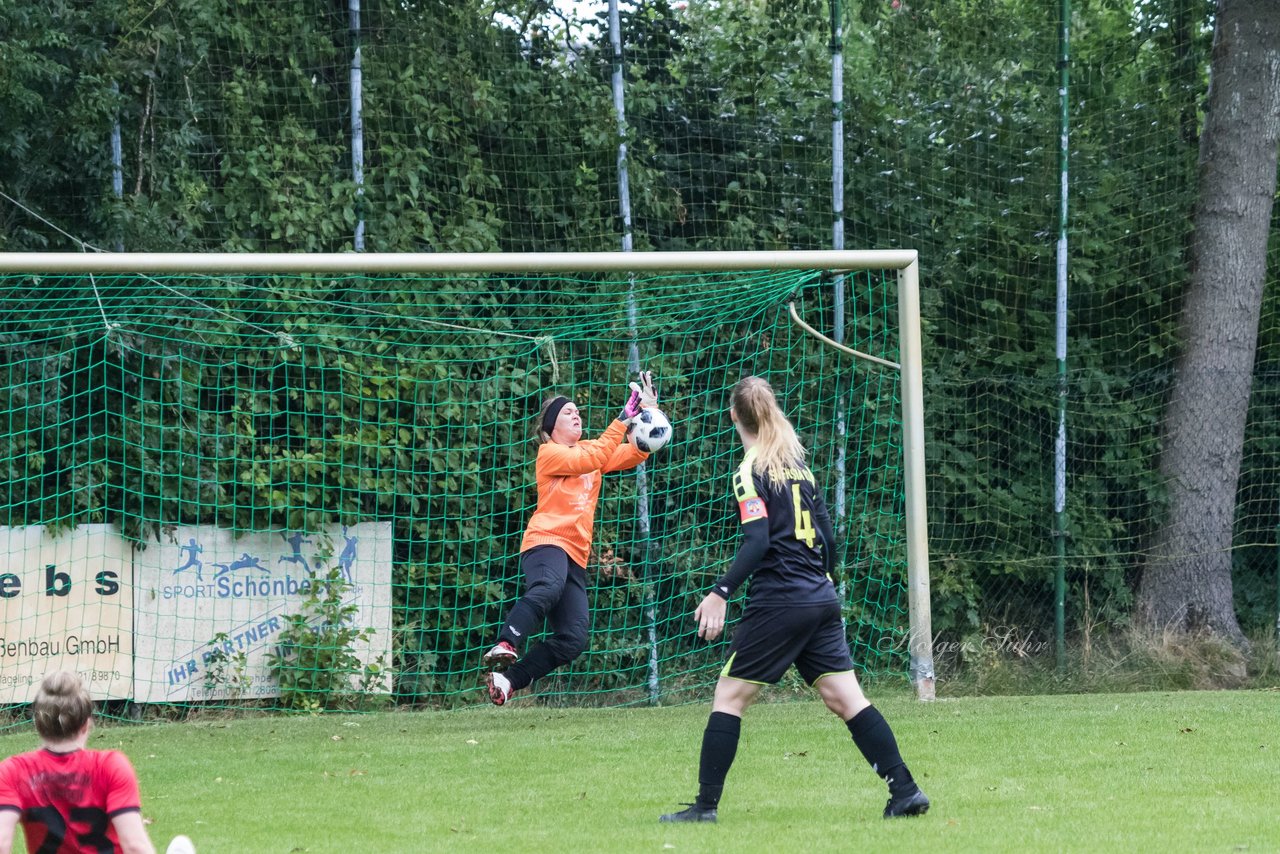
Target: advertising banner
<point>66,603</point>
<point>210,605</point>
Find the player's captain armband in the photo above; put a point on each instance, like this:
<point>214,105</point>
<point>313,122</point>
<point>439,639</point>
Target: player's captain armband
<point>752,508</point>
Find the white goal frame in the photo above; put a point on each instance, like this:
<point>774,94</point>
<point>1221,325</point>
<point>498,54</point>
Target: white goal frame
<point>905,261</point>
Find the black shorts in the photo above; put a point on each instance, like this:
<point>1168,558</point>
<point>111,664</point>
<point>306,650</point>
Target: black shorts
<point>772,638</point>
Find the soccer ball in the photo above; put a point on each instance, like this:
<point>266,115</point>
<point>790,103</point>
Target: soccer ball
<point>649,430</point>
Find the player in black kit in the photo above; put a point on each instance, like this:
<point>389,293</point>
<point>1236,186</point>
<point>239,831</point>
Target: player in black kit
<point>793,612</point>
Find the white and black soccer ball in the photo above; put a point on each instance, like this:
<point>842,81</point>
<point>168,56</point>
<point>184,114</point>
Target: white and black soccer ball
<point>649,430</point>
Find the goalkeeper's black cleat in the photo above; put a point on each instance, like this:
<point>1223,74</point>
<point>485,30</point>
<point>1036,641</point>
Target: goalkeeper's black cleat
<point>693,813</point>
<point>915,803</point>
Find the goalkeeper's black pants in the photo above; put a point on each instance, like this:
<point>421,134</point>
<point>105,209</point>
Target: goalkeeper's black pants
<point>555,591</point>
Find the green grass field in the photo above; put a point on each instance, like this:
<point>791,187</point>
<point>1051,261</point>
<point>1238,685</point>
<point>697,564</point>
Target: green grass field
<point>1193,771</point>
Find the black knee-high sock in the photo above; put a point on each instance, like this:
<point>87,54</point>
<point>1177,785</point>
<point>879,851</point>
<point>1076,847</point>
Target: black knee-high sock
<point>719,746</point>
<point>875,739</point>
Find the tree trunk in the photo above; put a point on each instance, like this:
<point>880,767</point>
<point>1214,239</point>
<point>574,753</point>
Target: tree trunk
<point>1186,585</point>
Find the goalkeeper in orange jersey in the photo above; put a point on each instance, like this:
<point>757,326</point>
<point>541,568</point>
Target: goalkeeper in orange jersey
<point>557,540</point>
<point>792,614</point>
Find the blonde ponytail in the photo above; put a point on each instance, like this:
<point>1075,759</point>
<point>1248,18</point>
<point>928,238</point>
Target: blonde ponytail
<point>777,446</point>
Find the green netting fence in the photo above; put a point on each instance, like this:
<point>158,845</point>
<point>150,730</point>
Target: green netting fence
<point>309,491</point>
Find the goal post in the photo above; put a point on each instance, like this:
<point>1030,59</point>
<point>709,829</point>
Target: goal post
<point>755,301</point>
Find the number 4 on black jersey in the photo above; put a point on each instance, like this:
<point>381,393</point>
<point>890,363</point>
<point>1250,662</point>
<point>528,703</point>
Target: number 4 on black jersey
<point>787,547</point>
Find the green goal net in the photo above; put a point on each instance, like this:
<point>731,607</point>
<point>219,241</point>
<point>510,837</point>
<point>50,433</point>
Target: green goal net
<point>308,491</point>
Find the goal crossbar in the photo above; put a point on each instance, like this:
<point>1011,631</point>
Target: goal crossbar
<point>387,263</point>
<point>450,262</point>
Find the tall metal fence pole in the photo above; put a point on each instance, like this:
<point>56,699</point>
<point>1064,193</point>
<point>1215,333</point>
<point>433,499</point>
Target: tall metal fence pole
<point>117,167</point>
<point>1060,442</point>
<point>837,242</point>
<point>633,353</point>
<point>357,125</point>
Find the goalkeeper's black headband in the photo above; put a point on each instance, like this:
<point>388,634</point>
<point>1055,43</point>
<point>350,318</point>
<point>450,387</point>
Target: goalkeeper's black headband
<point>553,412</point>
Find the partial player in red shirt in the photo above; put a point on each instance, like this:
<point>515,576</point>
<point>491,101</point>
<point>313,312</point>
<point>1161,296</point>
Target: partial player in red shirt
<point>72,800</point>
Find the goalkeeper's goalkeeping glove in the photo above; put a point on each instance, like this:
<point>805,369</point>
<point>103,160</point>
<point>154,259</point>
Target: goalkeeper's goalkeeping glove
<point>631,408</point>
<point>644,388</point>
